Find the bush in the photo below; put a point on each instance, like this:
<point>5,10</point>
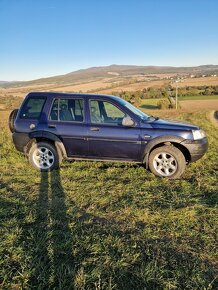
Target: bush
<point>163,104</point>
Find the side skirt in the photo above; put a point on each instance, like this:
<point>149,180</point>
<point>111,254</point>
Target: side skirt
<point>102,159</point>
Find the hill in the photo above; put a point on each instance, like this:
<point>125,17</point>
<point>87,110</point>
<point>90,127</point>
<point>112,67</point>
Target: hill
<point>114,79</point>
<point>114,71</point>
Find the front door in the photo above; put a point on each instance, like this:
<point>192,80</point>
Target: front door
<point>107,137</point>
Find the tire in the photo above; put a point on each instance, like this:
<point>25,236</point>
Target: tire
<point>11,120</point>
<point>43,156</point>
<point>167,161</point>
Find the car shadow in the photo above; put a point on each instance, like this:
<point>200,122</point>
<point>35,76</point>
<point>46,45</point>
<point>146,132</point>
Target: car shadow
<point>54,236</point>
<point>63,261</point>
<point>51,236</point>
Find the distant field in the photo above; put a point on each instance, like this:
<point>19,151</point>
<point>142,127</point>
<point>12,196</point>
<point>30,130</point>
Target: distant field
<point>201,81</point>
<point>89,86</point>
<point>97,225</point>
<point>106,85</point>
<point>200,104</point>
<point>134,86</point>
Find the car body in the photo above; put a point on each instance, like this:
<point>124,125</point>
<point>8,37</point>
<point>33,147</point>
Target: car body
<point>102,127</point>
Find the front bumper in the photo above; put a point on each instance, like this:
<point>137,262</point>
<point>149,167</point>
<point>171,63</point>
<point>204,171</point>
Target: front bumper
<point>196,148</point>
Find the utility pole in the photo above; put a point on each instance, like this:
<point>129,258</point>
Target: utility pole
<point>176,95</point>
<point>177,81</point>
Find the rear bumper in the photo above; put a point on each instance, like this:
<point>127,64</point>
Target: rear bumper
<point>196,148</point>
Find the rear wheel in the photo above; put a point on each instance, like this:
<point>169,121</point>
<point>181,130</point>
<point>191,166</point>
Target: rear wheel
<point>167,161</point>
<point>44,156</point>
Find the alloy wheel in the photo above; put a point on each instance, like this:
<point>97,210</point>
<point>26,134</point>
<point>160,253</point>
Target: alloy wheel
<point>165,164</point>
<point>43,158</point>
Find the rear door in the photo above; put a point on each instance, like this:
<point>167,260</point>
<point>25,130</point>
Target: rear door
<point>107,137</point>
<point>67,121</point>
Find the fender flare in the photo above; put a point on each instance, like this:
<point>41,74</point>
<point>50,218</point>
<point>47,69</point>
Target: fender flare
<point>159,140</point>
<point>46,136</point>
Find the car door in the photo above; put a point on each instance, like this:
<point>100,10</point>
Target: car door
<point>107,137</point>
<point>67,121</point>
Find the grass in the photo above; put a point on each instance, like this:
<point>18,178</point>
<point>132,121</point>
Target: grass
<point>96,225</point>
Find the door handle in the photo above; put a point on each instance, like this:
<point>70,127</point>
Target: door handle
<point>94,129</point>
<point>51,126</point>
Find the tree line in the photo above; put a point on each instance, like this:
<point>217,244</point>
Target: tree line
<point>135,97</point>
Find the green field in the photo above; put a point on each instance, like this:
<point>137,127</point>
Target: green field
<point>199,97</point>
<point>96,225</point>
<point>153,103</point>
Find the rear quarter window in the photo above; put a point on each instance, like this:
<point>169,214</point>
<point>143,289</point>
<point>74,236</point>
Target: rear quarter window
<point>32,108</point>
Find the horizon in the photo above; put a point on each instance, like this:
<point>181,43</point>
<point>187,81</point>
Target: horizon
<point>50,76</point>
<point>49,38</point>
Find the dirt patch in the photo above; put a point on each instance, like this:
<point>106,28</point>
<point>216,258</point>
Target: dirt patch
<point>196,105</point>
<point>200,104</point>
<point>2,107</point>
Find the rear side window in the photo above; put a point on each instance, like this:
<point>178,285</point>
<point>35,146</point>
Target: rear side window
<point>67,110</point>
<point>32,108</point>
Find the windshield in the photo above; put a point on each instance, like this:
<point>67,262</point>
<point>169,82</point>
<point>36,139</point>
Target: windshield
<point>137,112</point>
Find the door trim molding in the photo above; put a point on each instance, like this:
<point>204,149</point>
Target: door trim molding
<point>114,140</point>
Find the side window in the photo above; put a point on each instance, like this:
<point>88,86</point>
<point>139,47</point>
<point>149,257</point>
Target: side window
<point>32,108</point>
<point>105,112</point>
<point>112,111</point>
<point>65,113</point>
<point>67,110</point>
<point>95,112</point>
<point>54,111</point>
<point>78,109</point>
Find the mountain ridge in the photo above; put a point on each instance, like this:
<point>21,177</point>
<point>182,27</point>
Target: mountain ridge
<point>114,70</point>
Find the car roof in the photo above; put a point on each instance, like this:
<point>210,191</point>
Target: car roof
<point>62,94</point>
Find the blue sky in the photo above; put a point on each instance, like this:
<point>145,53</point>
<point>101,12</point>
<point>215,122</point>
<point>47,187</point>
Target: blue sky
<point>40,38</point>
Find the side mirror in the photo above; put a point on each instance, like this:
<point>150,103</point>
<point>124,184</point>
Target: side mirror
<point>128,122</point>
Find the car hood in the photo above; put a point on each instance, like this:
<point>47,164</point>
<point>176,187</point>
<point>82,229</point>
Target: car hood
<point>172,124</point>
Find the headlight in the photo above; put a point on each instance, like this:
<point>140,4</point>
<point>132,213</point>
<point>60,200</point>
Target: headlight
<point>198,134</point>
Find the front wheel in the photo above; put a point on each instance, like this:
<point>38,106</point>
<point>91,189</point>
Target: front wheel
<point>167,161</point>
<point>44,156</point>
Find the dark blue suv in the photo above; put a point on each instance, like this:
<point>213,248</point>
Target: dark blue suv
<point>50,127</point>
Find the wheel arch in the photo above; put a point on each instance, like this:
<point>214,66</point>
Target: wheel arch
<point>166,140</point>
<point>39,136</point>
